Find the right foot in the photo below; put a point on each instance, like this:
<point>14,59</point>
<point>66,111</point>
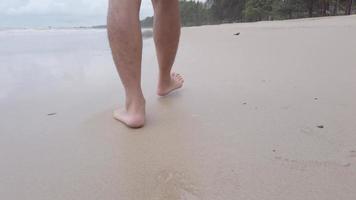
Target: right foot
<point>175,82</point>
<point>133,116</point>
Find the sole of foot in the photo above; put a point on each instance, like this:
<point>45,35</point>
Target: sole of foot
<point>134,121</point>
<point>176,82</point>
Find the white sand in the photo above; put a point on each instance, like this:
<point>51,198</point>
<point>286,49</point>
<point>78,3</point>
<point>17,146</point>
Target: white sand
<point>244,126</point>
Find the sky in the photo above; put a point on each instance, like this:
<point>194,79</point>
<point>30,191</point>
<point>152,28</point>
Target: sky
<point>57,13</point>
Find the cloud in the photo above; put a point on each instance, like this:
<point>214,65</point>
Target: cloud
<point>55,7</point>
<point>62,7</point>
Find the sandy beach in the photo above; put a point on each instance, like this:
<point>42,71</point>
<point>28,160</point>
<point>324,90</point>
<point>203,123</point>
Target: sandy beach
<point>265,115</point>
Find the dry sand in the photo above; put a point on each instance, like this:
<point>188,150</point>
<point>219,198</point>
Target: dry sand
<point>244,127</point>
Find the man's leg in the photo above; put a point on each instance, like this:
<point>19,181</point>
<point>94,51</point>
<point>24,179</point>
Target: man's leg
<point>166,36</point>
<point>125,39</point>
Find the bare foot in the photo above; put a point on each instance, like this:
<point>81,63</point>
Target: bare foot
<point>165,87</point>
<point>133,116</point>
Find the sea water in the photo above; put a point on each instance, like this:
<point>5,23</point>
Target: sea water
<point>34,60</point>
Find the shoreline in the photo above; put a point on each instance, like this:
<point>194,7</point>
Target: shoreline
<point>100,27</point>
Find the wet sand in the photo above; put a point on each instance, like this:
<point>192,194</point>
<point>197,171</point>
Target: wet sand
<point>268,114</point>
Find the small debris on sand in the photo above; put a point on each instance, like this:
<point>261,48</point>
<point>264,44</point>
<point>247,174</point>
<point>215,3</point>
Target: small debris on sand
<point>347,164</point>
<point>51,114</point>
<point>320,126</point>
<point>237,33</point>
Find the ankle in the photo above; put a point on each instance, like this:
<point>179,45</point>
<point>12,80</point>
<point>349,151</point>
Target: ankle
<point>162,82</point>
<point>135,103</point>
<point>164,77</point>
<point>134,96</point>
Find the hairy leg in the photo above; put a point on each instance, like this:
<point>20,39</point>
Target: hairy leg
<point>166,36</point>
<point>125,39</point>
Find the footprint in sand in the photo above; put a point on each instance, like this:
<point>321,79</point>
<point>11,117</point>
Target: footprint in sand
<point>352,153</point>
<point>173,185</point>
<point>302,165</point>
<point>318,134</point>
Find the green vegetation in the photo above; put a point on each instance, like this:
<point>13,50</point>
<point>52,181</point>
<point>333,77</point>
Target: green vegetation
<point>147,22</point>
<point>194,13</point>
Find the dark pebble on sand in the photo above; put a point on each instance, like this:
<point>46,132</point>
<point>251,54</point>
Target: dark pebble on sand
<point>274,150</point>
<point>320,126</point>
<point>245,103</point>
<point>51,114</point>
<point>237,34</point>
<point>315,98</point>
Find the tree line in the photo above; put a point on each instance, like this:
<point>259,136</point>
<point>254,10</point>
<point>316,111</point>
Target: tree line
<point>195,13</point>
